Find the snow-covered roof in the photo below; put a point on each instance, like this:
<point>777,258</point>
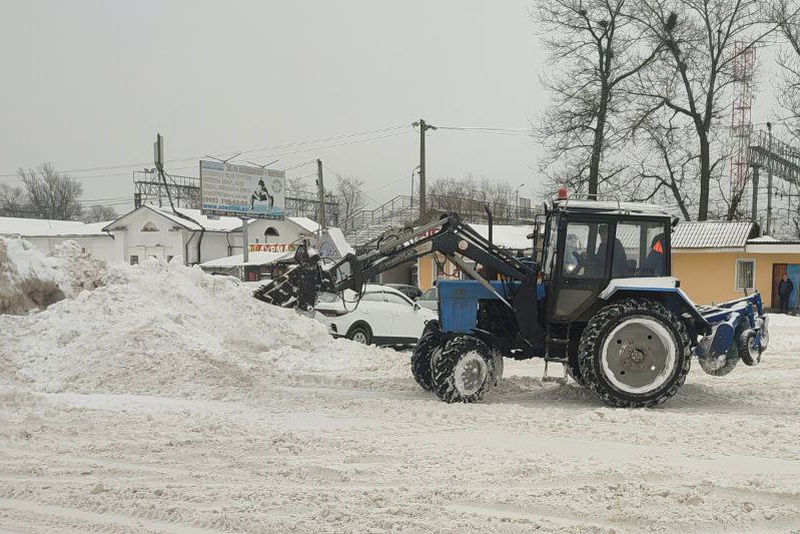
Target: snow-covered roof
<point>254,258</point>
<point>507,236</point>
<point>606,206</point>
<point>305,223</point>
<point>712,234</point>
<point>337,238</point>
<point>48,228</point>
<point>222,224</point>
<point>763,239</point>
<point>198,220</point>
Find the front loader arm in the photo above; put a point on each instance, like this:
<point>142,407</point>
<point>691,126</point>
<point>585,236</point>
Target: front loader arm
<point>448,236</point>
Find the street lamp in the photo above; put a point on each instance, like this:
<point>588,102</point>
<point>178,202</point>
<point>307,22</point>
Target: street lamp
<point>516,199</point>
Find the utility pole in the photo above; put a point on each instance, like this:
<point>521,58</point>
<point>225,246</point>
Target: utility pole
<point>423,127</point>
<point>158,160</point>
<point>755,192</point>
<point>769,181</point>
<point>321,188</point>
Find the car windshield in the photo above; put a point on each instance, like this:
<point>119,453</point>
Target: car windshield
<point>429,294</point>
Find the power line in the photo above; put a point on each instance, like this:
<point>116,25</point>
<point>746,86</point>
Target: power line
<point>298,165</point>
<point>300,151</point>
<point>487,129</point>
<point>245,151</point>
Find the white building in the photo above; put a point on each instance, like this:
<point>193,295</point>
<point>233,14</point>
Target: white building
<point>150,231</point>
<point>47,234</point>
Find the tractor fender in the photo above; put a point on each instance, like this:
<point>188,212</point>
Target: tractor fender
<point>484,335</point>
<point>662,288</point>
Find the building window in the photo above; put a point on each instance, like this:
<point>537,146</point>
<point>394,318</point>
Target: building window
<point>745,275</point>
<point>149,227</point>
<point>134,260</point>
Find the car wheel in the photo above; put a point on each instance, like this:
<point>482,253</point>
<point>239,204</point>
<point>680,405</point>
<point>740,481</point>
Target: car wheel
<point>360,334</point>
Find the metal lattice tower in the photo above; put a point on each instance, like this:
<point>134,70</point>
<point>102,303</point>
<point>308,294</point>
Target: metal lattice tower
<point>742,118</point>
<point>149,189</point>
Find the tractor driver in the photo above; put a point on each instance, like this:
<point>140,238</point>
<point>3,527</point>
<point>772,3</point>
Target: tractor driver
<point>620,260</point>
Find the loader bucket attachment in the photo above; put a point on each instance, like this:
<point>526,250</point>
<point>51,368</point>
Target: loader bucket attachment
<point>298,287</point>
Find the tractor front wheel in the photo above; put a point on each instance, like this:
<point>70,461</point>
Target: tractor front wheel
<point>634,353</point>
<point>464,371</point>
<point>427,345</point>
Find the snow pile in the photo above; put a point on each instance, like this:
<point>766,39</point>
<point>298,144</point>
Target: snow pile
<point>784,335</point>
<point>30,279</point>
<point>167,329</point>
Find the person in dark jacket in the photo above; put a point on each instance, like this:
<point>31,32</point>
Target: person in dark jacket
<point>619,261</point>
<point>785,288</point>
<point>654,264</point>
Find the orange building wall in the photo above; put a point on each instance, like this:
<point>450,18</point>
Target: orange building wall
<point>425,270</point>
<point>709,277</point>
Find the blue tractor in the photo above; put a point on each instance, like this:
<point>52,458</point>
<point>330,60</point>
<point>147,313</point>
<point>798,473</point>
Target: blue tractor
<point>596,295</point>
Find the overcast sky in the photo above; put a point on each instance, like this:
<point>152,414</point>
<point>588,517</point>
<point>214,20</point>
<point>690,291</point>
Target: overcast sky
<point>88,84</point>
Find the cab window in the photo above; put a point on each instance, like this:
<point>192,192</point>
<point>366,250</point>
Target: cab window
<point>643,244</point>
<point>550,246</point>
<point>585,246</point>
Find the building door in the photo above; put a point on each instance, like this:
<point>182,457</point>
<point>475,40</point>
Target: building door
<point>777,273</point>
<point>793,270</point>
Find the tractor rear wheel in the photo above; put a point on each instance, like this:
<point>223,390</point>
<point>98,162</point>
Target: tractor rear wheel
<point>634,353</point>
<point>464,371</point>
<point>421,357</point>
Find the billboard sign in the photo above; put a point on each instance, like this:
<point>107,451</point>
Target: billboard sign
<point>242,190</point>
<point>273,247</point>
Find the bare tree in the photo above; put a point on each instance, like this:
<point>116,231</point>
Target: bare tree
<point>350,191</point>
<point>468,196</point>
<point>99,214</point>
<point>666,168</point>
<point>703,38</point>
<point>12,201</point>
<point>598,47</point>
<point>50,194</point>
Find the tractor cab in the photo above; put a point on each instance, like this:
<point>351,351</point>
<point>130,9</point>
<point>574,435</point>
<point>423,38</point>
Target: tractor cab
<point>590,245</point>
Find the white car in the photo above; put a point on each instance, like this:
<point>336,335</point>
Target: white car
<point>383,317</point>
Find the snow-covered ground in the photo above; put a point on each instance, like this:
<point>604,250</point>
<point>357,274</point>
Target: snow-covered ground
<point>170,401</point>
